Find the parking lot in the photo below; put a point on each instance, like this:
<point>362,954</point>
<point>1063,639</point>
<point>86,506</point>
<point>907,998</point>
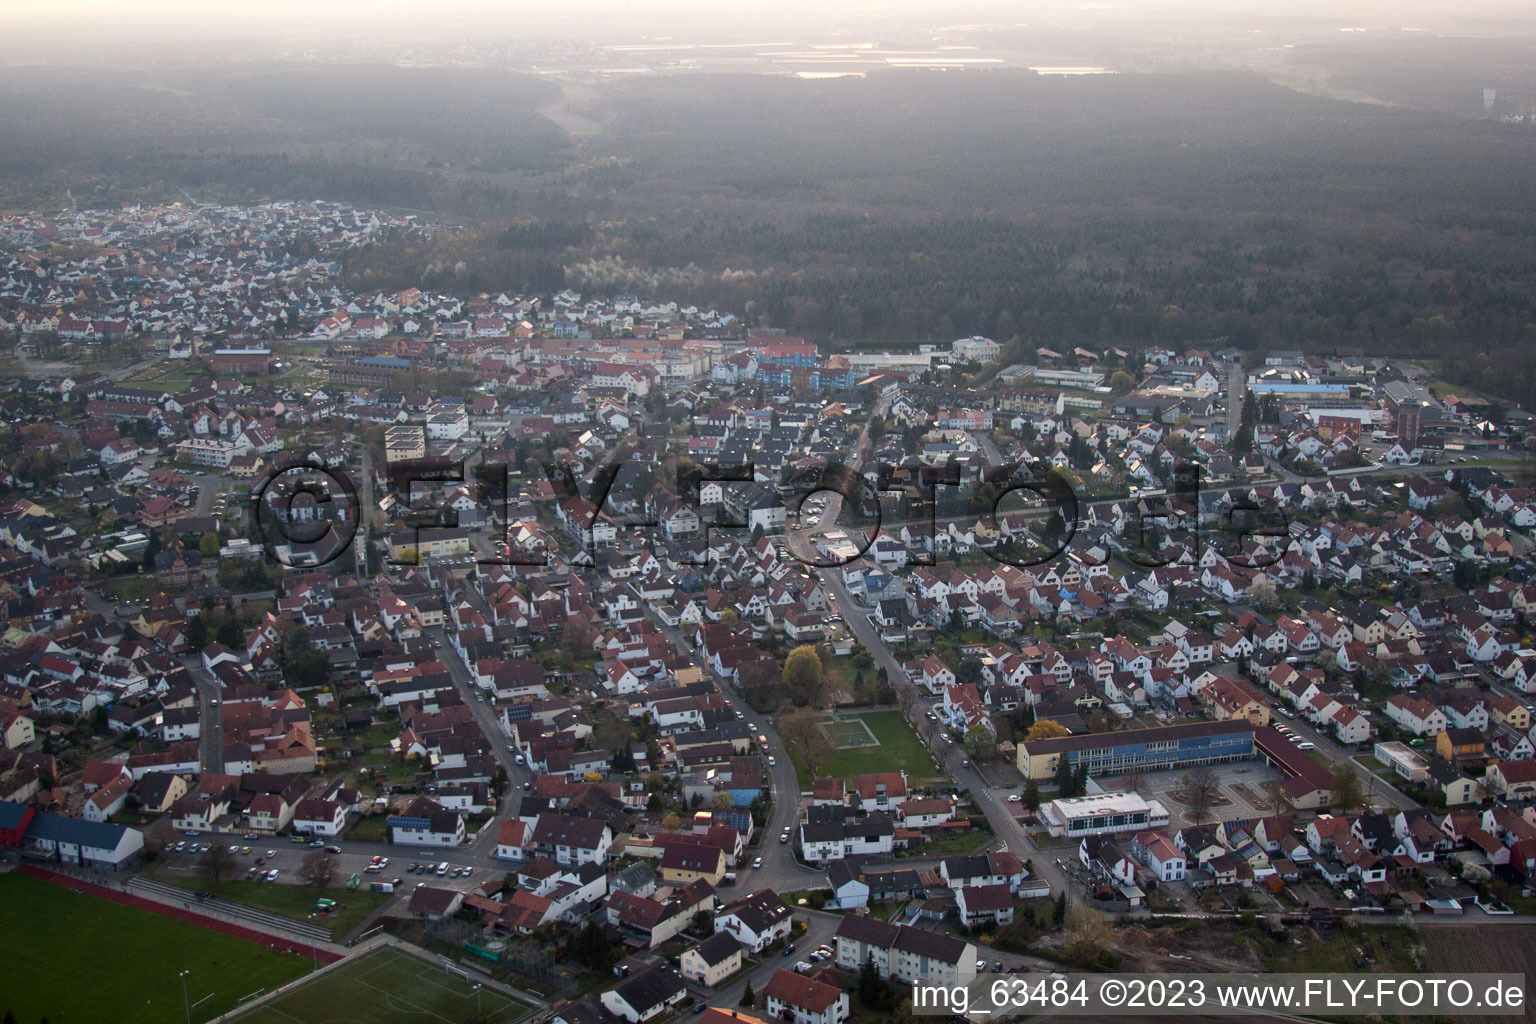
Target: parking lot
<point>257,858</point>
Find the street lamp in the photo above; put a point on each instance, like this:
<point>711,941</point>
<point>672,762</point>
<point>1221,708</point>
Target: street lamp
<point>479,1013</point>
<point>185,1005</point>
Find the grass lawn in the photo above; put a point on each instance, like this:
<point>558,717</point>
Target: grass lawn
<point>370,829</point>
<point>295,901</point>
<point>841,672</point>
<point>386,986</point>
<point>899,750</point>
<point>132,961</point>
<point>131,588</point>
<point>951,845</point>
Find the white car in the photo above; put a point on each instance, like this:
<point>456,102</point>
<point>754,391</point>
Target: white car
<point>1014,798</point>
<point>1306,746</point>
<point>772,762</point>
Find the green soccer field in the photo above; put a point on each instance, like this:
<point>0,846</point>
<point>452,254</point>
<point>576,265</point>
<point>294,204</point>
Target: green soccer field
<point>897,749</point>
<point>844,735</point>
<point>386,986</point>
<point>73,957</point>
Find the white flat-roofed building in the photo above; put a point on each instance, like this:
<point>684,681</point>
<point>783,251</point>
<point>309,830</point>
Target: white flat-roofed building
<point>1104,814</point>
<point>1403,760</point>
<point>1021,372</point>
<point>204,451</point>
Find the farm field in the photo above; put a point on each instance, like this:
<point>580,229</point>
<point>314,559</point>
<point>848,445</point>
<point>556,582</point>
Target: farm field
<point>382,987</point>
<point>1480,949</point>
<point>133,964</point>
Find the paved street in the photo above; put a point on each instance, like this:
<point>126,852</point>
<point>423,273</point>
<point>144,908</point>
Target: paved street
<point>780,870</point>
<point>992,802</point>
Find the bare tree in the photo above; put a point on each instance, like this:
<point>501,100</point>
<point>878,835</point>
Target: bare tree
<point>1135,780</point>
<point>1200,790</point>
<point>318,869</point>
<point>1346,788</point>
<point>159,837</point>
<point>217,863</point>
<point>801,731</point>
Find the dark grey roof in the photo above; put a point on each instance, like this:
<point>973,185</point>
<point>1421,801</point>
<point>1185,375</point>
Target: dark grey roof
<point>651,989</point>
<point>717,948</point>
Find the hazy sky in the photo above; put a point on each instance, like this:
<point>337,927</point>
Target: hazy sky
<point>402,18</point>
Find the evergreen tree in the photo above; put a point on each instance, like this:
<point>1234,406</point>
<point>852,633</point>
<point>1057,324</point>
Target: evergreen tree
<point>1031,796</point>
<point>1064,777</point>
<point>152,549</point>
<point>748,997</point>
<point>869,982</point>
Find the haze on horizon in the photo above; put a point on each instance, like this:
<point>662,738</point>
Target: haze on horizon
<point>75,31</point>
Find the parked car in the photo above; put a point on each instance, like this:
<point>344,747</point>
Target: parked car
<point>272,875</point>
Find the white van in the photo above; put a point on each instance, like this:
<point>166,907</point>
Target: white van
<point>442,869</point>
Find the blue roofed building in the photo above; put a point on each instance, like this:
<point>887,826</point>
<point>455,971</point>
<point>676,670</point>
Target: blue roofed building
<point>65,840</point>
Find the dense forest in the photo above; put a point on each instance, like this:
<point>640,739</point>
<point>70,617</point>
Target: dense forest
<point>1127,209</point>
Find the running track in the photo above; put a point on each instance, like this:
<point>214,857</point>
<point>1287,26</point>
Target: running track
<point>140,903</point>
